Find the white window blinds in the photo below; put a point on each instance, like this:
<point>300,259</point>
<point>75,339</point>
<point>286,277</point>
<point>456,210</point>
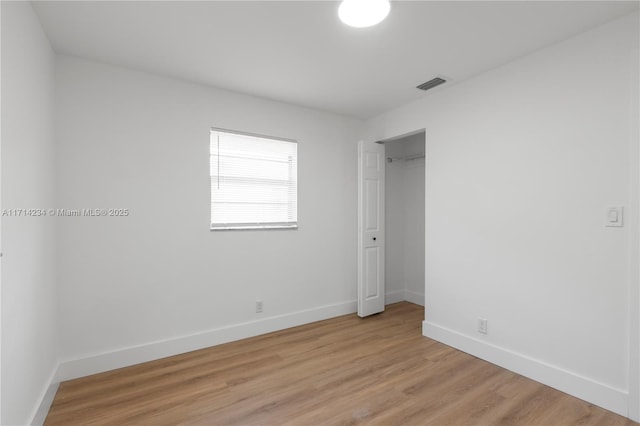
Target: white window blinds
<point>254,181</point>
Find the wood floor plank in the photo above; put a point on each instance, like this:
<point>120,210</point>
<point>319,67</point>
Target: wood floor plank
<point>344,371</point>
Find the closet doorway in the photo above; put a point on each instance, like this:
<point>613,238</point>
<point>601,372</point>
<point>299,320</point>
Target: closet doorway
<point>405,219</point>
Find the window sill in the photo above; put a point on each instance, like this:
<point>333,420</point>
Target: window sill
<point>251,227</point>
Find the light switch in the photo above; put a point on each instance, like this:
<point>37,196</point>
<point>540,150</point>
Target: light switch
<point>614,216</point>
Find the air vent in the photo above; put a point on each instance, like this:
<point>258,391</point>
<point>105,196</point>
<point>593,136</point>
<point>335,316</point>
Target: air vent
<point>432,83</point>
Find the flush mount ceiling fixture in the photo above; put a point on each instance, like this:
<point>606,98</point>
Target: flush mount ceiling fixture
<point>363,13</point>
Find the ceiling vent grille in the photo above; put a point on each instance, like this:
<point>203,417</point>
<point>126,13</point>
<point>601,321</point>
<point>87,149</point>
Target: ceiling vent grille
<point>431,83</point>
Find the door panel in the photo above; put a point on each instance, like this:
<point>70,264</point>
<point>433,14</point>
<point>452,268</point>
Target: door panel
<point>370,228</point>
<point>372,265</point>
<point>372,196</point>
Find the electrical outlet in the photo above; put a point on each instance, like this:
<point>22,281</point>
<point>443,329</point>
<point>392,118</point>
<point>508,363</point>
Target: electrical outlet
<point>258,306</point>
<point>482,326</point>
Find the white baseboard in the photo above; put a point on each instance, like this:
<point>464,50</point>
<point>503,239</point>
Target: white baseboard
<point>403,296</point>
<point>597,393</point>
<point>416,298</point>
<point>46,399</point>
<point>394,297</point>
<point>98,363</point>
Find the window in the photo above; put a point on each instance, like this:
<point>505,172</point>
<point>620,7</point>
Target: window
<point>254,181</point>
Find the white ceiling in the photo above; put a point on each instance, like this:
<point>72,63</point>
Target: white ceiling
<point>298,51</point>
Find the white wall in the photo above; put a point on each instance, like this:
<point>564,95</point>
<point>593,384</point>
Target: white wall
<point>405,183</point>
<point>138,141</point>
<point>634,222</point>
<point>29,326</point>
<point>521,164</point>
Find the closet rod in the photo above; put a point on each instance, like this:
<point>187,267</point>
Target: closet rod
<point>407,158</point>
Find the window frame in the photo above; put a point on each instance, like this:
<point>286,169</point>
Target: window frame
<point>251,225</point>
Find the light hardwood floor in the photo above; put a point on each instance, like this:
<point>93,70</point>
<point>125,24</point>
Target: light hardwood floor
<point>379,370</point>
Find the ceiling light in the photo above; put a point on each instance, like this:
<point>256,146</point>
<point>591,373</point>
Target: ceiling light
<point>363,13</point>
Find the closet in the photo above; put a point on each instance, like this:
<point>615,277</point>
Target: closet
<point>405,219</point>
